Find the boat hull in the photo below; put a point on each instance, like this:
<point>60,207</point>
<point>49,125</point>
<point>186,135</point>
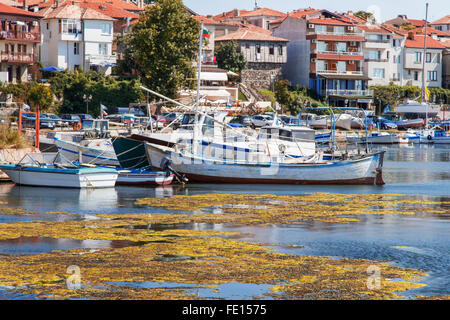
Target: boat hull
<point>31,177</point>
<point>148,179</point>
<point>366,171</point>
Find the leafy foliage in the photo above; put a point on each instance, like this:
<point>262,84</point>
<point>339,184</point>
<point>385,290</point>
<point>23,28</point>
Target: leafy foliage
<point>365,15</point>
<point>229,58</point>
<point>162,46</point>
<point>40,96</point>
<point>70,87</point>
<point>295,98</point>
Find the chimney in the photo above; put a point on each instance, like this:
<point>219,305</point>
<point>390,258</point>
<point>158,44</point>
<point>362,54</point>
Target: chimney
<point>25,5</point>
<point>236,12</point>
<point>411,35</point>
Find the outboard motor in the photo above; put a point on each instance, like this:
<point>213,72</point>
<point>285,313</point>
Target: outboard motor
<point>165,166</point>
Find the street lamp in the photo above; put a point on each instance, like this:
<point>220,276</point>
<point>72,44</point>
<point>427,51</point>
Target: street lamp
<point>87,99</point>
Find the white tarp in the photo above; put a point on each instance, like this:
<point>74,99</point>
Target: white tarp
<point>214,76</point>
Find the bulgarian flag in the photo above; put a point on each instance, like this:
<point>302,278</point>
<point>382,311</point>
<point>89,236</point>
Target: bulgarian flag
<point>206,34</point>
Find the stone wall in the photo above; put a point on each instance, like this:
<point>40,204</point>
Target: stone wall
<point>259,76</point>
<point>12,156</point>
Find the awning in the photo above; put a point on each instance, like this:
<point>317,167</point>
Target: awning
<point>214,76</point>
<point>345,76</point>
<point>52,69</point>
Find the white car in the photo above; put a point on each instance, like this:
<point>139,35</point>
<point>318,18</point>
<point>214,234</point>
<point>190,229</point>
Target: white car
<point>261,121</point>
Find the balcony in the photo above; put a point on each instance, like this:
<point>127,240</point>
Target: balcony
<point>338,72</point>
<point>345,92</point>
<point>334,36</point>
<point>17,57</point>
<point>20,36</point>
<point>337,55</point>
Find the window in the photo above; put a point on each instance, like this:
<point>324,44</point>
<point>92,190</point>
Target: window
<point>374,55</point>
<point>258,48</point>
<point>339,29</point>
<point>70,26</point>
<point>416,75</point>
<point>247,45</point>
<point>432,75</point>
<point>375,37</point>
<point>47,25</point>
<point>378,73</point>
<point>271,49</point>
<point>438,58</point>
<point>387,55</point>
<point>321,46</point>
<point>418,56</point>
<point>320,65</point>
<point>76,48</point>
<point>103,48</point>
<point>280,50</point>
<point>342,66</point>
<point>106,28</point>
<point>341,46</point>
<point>320,29</point>
<point>428,57</point>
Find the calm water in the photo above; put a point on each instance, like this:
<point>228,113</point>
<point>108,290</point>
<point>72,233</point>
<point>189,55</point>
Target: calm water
<point>423,172</point>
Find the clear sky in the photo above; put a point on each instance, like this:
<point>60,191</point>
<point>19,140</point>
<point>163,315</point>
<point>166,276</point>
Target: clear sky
<point>385,9</point>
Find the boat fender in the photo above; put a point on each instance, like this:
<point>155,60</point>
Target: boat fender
<point>429,137</point>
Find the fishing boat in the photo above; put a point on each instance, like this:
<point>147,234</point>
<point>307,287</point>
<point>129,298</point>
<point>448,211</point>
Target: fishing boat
<point>377,137</point>
<point>49,170</point>
<point>433,135</point>
<point>414,108</point>
<point>135,168</point>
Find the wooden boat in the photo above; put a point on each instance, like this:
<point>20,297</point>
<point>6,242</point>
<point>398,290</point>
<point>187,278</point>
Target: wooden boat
<point>197,168</point>
<point>377,137</point>
<point>37,170</point>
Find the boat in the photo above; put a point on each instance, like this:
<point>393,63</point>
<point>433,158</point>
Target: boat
<point>50,170</point>
<point>413,108</point>
<point>366,170</point>
<point>342,121</point>
<point>94,151</point>
<point>377,137</point>
<point>433,135</point>
<point>135,167</point>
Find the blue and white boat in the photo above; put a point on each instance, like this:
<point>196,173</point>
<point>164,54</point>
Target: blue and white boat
<point>48,170</point>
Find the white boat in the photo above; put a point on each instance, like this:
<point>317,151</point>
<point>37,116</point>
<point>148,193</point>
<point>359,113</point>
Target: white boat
<point>428,136</point>
<point>411,107</point>
<point>377,137</point>
<point>35,169</point>
<point>94,151</point>
<point>366,170</point>
<point>342,121</point>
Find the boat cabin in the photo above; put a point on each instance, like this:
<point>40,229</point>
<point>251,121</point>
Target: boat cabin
<point>100,125</point>
<point>287,134</point>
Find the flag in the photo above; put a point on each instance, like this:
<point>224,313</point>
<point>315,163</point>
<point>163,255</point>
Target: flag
<point>206,34</point>
<point>427,93</point>
<point>103,109</point>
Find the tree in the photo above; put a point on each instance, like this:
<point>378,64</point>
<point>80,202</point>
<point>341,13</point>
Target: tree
<point>229,58</point>
<point>365,15</point>
<point>40,96</point>
<point>163,44</point>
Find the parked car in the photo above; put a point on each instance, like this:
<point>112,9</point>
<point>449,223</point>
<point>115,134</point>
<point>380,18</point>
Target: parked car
<point>58,121</point>
<point>243,120</point>
<point>29,119</point>
<point>260,121</point>
<point>70,118</point>
<point>84,116</point>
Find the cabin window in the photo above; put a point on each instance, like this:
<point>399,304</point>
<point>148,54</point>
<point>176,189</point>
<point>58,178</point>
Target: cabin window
<point>285,135</point>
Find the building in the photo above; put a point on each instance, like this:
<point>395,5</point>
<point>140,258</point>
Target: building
<point>413,61</point>
<point>382,54</point>
<point>325,53</point>
<point>77,37</point>
<point>260,17</point>
<point>442,24</point>
<point>402,20</point>
<point>19,43</point>
<point>446,65</point>
<point>264,53</point>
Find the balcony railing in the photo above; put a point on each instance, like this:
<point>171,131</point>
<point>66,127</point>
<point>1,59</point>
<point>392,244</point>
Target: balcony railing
<point>17,57</point>
<point>345,92</point>
<point>375,60</point>
<point>20,36</point>
<point>350,53</point>
<point>358,73</point>
<point>328,33</point>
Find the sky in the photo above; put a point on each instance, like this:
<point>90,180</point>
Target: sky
<point>382,9</point>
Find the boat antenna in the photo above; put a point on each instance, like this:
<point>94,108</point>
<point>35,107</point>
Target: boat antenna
<point>423,65</point>
<point>197,101</point>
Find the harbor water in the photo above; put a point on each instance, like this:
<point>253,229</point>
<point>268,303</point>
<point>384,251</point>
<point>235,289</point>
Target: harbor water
<point>419,241</point>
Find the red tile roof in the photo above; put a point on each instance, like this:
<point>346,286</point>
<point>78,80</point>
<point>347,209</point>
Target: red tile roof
<point>416,23</point>
<point>430,31</point>
<point>372,29</point>
<point>243,34</point>
<point>248,26</point>
<point>329,21</point>
<point>5,9</point>
<point>444,20</point>
<point>206,20</point>
<point>230,14</point>
<point>29,2</point>
<point>303,13</point>
<point>68,11</point>
<point>418,42</point>
<point>109,10</point>
<point>263,12</point>
<point>116,3</point>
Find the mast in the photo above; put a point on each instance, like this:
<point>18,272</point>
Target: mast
<point>197,101</point>
<point>423,66</point>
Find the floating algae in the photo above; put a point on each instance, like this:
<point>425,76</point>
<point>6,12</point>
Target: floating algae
<point>205,257</point>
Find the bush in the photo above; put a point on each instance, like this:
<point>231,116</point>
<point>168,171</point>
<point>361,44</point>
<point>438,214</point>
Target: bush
<point>11,138</point>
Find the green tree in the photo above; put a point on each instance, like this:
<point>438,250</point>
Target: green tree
<point>229,58</point>
<point>163,44</point>
<point>40,96</point>
<point>365,15</point>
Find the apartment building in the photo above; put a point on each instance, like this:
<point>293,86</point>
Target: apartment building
<point>442,24</point>
<point>260,17</point>
<point>326,56</point>
<point>77,37</point>
<point>19,42</point>
<point>414,57</point>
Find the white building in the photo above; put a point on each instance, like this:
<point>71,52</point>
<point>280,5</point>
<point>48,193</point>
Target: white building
<point>76,37</point>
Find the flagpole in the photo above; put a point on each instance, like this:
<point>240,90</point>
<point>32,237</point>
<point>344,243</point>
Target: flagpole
<point>424,94</point>
<point>200,54</point>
